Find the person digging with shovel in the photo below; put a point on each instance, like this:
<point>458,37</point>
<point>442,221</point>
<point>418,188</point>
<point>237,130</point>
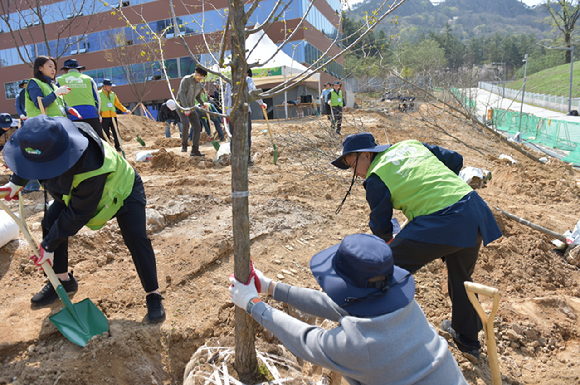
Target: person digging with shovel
<point>447,219</point>
<point>90,183</point>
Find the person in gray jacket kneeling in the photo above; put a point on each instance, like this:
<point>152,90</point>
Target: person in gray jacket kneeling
<point>382,336</point>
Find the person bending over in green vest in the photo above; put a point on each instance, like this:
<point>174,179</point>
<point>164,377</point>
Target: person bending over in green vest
<point>447,219</point>
<point>90,183</point>
<point>43,85</point>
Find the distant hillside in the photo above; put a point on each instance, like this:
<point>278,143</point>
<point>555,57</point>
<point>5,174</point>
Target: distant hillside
<point>468,18</point>
<point>552,81</point>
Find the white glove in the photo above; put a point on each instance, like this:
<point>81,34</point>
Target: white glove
<point>22,117</point>
<point>264,281</point>
<point>62,90</point>
<point>45,256</point>
<point>241,294</point>
<point>12,190</point>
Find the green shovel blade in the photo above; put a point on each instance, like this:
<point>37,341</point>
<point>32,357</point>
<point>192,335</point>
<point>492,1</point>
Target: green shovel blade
<point>215,144</point>
<point>275,153</point>
<point>79,322</point>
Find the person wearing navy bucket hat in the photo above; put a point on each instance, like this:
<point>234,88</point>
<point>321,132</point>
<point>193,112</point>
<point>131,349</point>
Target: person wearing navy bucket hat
<point>447,219</point>
<point>90,183</point>
<point>382,336</point>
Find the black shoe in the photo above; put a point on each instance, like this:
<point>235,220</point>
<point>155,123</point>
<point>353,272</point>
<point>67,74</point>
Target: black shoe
<point>196,153</point>
<point>183,148</point>
<point>469,350</point>
<point>48,295</point>
<point>155,309</point>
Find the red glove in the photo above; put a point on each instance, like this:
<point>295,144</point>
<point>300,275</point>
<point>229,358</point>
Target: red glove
<point>12,191</point>
<point>74,112</point>
<point>44,257</point>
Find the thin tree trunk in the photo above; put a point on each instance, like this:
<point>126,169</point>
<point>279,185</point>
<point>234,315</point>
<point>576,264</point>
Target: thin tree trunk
<point>246,363</point>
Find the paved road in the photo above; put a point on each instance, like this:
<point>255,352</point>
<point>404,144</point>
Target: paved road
<point>486,99</point>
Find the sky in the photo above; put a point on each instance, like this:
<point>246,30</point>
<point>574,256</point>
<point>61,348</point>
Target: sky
<point>528,2</point>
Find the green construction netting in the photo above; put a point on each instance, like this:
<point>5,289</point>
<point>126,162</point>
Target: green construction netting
<point>549,132</point>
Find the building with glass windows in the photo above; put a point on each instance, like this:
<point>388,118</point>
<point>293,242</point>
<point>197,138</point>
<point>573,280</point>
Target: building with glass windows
<point>87,31</point>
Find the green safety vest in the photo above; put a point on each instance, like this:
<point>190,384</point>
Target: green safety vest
<point>118,186</point>
<point>107,102</point>
<point>336,98</point>
<point>77,81</point>
<point>420,184</point>
<point>54,109</point>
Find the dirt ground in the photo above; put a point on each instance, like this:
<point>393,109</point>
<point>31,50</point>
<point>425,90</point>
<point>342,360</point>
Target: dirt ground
<point>292,216</point>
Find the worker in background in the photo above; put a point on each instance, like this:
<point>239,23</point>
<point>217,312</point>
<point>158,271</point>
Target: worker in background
<point>168,115</point>
<point>323,102</point>
<point>381,337</point>
<point>109,104</point>
<point>447,219</point>
<point>43,85</point>
<point>189,97</point>
<point>20,102</point>
<point>336,100</point>
<point>84,95</point>
<point>90,184</point>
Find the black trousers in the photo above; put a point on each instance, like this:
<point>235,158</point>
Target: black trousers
<point>193,121</point>
<point>412,255</point>
<point>336,116</point>
<point>95,123</point>
<point>132,222</point>
<point>108,127</point>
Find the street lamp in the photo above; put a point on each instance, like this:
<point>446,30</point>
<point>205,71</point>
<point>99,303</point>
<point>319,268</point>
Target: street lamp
<point>504,71</point>
<point>571,49</point>
<point>523,94</point>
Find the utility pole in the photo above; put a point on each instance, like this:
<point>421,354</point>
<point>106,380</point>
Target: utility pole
<point>523,94</point>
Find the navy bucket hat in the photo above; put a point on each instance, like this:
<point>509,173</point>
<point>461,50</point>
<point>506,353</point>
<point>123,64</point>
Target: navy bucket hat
<point>44,147</point>
<point>361,142</point>
<point>348,271</point>
<point>5,120</point>
<point>108,82</point>
<point>72,64</point>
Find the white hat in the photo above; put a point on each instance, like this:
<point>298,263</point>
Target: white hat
<point>170,104</point>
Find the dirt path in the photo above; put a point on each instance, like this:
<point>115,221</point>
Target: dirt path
<point>291,217</point>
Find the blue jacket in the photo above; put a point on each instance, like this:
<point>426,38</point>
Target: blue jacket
<point>456,225</point>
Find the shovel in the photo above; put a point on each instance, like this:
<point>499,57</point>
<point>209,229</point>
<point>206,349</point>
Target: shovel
<point>492,292</point>
<point>78,322</point>
<point>118,136</point>
<point>271,136</point>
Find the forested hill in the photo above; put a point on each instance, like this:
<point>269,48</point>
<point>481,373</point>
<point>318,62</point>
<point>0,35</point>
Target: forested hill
<point>467,18</point>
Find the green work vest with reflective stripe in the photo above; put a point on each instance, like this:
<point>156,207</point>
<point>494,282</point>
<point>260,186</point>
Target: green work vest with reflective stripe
<point>420,184</point>
<point>54,109</point>
<point>106,100</point>
<point>78,82</point>
<point>336,98</point>
<point>118,186</point>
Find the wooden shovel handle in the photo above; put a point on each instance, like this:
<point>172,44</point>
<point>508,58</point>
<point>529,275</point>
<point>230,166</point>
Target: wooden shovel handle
<point>41,106</point>
<point>481,289</point>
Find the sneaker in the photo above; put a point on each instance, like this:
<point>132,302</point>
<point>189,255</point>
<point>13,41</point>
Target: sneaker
<point>196,153</point>
<point>469,351</point>
<point>48,295</point>
<point>338,132</point>
<point>155,309</point>
<point>250,162</point>
<point>183,148</point>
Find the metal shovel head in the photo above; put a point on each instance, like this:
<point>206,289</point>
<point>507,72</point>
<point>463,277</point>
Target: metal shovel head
<point>79,322</point>
<point>215,144</point>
